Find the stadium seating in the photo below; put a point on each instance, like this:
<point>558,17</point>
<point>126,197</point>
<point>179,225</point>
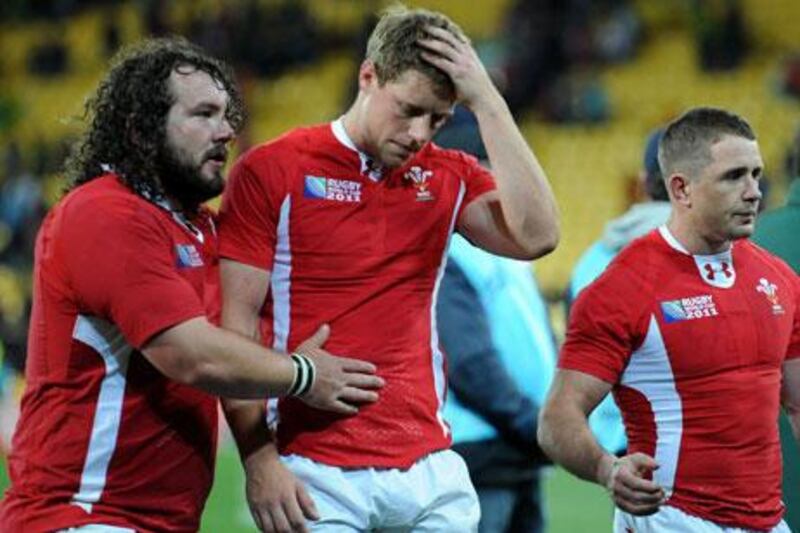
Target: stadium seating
<point>591,167</point>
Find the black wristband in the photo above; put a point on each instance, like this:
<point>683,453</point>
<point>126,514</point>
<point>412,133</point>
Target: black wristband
<point>304,375</point>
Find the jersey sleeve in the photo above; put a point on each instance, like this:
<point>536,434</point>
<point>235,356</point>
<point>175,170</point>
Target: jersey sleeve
<point>604,327</point>
<point>121,266</point>
<point>477,179</point>
<point>249,214</point>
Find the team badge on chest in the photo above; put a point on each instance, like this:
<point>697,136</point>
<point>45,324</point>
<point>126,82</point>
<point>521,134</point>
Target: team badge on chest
<point>420,178</point>
<point>770,290</point>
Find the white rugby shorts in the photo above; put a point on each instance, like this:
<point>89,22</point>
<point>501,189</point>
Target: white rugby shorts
<point>672,520</point>
<point>435,495</point>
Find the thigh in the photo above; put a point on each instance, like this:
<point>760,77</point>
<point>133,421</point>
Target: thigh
<point>448,500</point>
<point>497,507</point>
<point>343,503</point>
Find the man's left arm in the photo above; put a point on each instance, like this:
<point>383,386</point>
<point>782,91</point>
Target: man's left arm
<point>790,394</point>
<point>520,218</point>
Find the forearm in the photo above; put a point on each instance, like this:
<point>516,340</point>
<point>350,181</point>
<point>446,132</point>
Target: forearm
<point>565,437</point>
<point>219,361</point>
<point>529,206</point>
<point>248,424</point>
<point>235,367</point>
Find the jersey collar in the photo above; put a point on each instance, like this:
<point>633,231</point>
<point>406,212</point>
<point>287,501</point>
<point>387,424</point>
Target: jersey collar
<point>178,216</point>
<point>716,270</point>
<point>369,167</point>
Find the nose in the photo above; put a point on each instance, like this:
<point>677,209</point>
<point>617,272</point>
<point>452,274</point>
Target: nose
<point>225,131</point>
<point>752,190</point>
<point>420,129</point>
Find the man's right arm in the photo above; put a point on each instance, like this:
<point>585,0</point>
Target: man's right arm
<point>199,354</point>
<point>564,435</point>
<point>224,363</point>
<point>277,499</point>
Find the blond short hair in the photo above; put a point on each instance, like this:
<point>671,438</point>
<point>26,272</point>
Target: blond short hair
<point>392,47</point>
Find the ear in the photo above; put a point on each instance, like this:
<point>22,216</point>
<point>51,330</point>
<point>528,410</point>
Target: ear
<point>367,75</point>
<point>680,189</point>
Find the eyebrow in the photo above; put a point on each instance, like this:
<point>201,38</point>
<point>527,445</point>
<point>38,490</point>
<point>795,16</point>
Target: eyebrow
<point>740,171</point>
<point>205,105</point>
<point>415,109</point>
<point>411,108</point>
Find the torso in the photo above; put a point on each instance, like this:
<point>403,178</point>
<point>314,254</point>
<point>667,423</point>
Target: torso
<point>700,387</point>
<point>107,438</point>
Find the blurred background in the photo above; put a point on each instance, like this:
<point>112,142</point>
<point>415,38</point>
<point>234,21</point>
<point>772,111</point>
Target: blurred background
<point>586,79</point>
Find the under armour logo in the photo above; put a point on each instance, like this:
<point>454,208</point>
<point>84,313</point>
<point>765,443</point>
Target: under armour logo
<point>371,168</point>
<point>713,270</point>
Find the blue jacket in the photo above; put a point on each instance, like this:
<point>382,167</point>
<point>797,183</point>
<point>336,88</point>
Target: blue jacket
<point>494,327</point>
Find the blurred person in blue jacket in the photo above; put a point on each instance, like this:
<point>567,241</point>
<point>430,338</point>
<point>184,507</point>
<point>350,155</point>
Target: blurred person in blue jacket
<point>494,327</point>
<point>642,217</point>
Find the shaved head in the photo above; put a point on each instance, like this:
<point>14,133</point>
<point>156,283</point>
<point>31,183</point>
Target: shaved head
<point>686,145</point>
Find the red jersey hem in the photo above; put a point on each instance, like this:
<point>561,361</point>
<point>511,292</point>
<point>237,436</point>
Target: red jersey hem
<point>403,462</point>
<point>762,525</point>
<point>47,522</point>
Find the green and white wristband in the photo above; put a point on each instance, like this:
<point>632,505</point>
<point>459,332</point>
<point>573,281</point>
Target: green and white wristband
<point>304,374</point>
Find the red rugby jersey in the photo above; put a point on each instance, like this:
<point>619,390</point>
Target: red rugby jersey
<point>363,252</point>
<point>694,347</point>
<point>103,437</point>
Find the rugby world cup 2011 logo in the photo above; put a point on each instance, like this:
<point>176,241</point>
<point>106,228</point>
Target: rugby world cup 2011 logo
<point>690,308</point>
<point>337,190</point>
<point>187,256</point>
<point>770,290</point>
<point>420,178</point>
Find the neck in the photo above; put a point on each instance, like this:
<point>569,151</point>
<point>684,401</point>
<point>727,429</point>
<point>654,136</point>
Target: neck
<point>693,241</point>
<point>352,125</point>
<point>185,206</point>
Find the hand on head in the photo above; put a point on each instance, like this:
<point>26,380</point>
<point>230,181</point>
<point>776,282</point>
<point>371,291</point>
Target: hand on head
<point>459,60</point>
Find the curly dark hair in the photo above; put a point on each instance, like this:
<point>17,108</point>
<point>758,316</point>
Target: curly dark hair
<point>127,113</point>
